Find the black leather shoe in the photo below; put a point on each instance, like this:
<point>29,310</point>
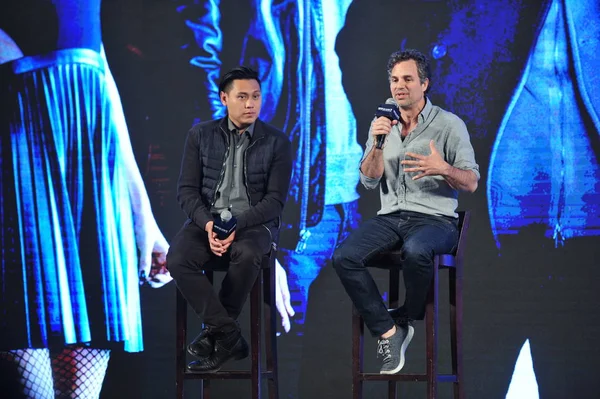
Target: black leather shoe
<point>203,345</point>
<point>223,352</point>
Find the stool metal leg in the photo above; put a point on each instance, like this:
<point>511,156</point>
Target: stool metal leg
<point>453,346</point>
<point>270,314</point>
<point>255,339</point>
<point>455,282</point>
<point>181,325</point>
<point>394,300</point>
<point>431,321</point>
<point>358,330</point>
<point>392,389</point>
<point>394,287</point>
<point>205,384</point>
<point>460,386</point>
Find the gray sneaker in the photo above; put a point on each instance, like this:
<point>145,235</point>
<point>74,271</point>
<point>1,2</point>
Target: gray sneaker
<point>393,348</point>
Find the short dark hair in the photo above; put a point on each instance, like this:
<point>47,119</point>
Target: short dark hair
<point>237,73</point>
<point>410,54</point>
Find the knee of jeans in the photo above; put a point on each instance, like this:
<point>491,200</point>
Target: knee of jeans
<point>176,264</point>
<point>416,252</point>
<point>246,255</point>
<point>343,260</point>
<point>336,258</point>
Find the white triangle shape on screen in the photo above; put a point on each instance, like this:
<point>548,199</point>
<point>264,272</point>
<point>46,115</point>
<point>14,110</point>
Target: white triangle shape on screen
<point>523,384</point>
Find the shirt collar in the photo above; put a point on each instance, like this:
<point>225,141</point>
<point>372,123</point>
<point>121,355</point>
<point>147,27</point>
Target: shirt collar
<point>424,114</point>
<point>232,127</point>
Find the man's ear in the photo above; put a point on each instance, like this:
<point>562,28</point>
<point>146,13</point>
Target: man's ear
<point>425,84</point>
<point>223,97</point>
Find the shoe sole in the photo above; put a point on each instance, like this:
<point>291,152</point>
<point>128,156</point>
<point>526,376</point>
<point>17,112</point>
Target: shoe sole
<point>239,357</point>
<point>409,336</point>
<point>204,372</point>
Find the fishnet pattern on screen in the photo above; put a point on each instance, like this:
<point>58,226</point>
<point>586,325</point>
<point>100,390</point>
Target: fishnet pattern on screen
<point>33,366</point>
<point>79,372</point>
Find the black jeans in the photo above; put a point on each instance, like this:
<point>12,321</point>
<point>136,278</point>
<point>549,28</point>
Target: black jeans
<point>190,251</point>
<point>420,235</point>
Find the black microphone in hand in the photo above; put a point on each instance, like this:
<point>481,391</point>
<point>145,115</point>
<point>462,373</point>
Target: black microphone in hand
<point>224,225</point>
<point>390,111</point>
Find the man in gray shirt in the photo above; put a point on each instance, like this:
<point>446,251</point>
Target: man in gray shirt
<point>426,159</point>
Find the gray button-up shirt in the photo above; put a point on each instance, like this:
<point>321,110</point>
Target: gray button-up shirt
<point>431,194</point>
<point>231,193</point>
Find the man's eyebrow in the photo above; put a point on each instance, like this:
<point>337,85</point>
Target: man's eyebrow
<point>403,76</point>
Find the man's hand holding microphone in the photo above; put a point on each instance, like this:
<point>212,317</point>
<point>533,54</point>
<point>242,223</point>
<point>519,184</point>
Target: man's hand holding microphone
<point>221,232</point>
<point>387,116</point>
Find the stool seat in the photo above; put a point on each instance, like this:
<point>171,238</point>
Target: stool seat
<point>391,260</point>
<point>264,287</point>
<point>221,264</point>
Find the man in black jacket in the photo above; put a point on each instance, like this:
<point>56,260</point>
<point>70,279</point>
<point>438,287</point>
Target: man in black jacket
<point>242,164</point>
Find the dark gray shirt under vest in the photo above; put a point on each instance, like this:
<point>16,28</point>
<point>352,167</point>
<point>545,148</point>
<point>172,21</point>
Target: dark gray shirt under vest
<point>231,193</point>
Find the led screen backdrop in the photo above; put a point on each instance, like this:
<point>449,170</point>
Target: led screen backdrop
<point>91,147</point>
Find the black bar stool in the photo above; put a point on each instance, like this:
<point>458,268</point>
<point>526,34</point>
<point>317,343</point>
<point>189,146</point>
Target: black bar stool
<point>265,283</point>
<point>454,264</point>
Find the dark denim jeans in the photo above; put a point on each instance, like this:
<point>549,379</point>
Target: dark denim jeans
<point>421,236</point>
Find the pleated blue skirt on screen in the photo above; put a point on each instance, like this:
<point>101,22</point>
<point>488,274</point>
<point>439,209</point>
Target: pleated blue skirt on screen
<point>68,254</point>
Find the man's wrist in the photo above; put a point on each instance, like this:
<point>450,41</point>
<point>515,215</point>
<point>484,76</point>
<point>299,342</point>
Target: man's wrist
<point>447,170</point>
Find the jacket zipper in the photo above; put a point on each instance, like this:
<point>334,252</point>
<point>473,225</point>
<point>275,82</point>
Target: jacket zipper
<point>246,169</point>
<point>222,174</point>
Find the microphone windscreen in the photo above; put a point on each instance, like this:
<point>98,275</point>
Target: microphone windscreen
<point>226,215</point>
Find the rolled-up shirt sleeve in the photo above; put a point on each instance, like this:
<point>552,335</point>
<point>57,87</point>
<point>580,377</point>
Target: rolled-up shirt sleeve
<point>460,152</point>
<point>370,183</point>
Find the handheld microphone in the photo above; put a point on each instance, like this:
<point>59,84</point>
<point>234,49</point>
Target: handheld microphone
<point>389,110</point>
<point>224,225</point>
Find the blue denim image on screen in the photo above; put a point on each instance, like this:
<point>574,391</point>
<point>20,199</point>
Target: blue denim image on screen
<point>544,167</point>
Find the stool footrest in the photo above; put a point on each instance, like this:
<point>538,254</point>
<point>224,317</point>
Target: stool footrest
<point>224,375</point>
<point>404,377</point>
